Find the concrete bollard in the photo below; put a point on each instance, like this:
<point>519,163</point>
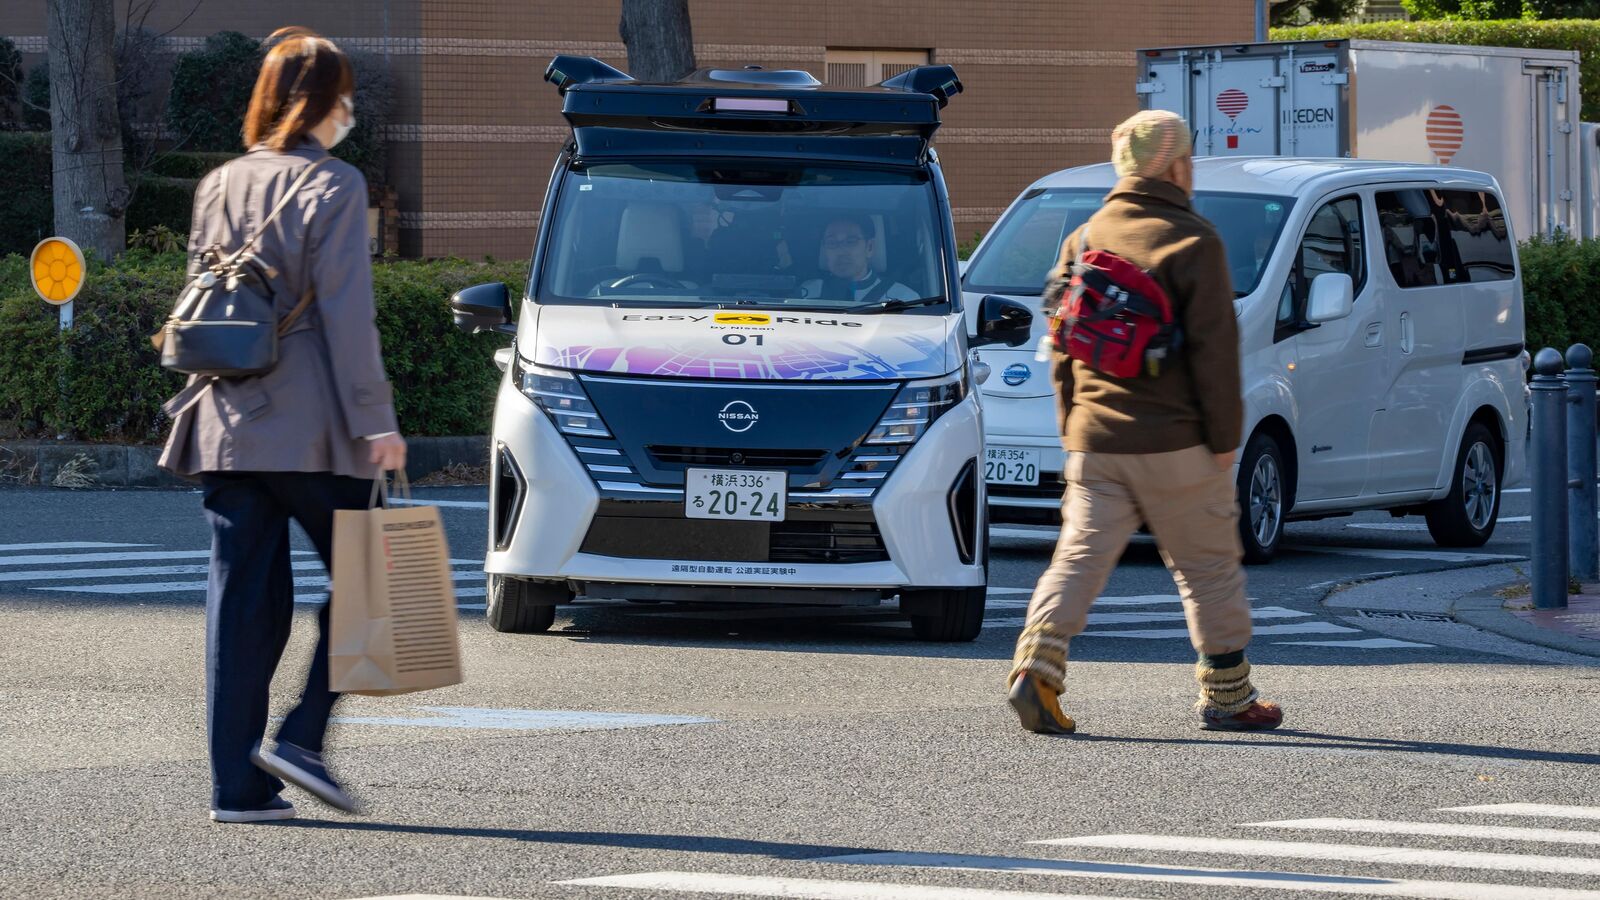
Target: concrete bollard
<point>1583,530</point>
<point>1548,450</point>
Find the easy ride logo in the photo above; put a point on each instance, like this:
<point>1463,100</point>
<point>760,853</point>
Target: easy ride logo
<point>741,318</point>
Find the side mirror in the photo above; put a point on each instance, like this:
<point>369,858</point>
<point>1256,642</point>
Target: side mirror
<point>483,307</point>
<point>1002,321</point>
<point>1333,296</point>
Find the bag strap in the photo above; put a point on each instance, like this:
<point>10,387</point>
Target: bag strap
<point>877,291</point>
<point>272,216</point>
<point>380,489</point>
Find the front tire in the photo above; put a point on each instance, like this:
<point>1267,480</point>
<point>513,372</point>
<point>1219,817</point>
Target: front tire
<point>523,607</point>
<point>946,615</point>
<point>1263,494</point>
<point>1467,515</point>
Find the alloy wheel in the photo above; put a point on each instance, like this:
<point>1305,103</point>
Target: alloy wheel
<point>1479,486</point>
<point>1266,500</point>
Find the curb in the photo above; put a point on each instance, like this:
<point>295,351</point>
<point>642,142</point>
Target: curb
<point>57,463</point>
<point>1485,610</point>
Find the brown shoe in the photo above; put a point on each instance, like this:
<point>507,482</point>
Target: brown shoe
<point>1039,707</point>
<point>1258,716</point>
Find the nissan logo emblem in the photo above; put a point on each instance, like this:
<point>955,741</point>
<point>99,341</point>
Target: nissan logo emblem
<point>1016,373</point>
<point>738,417</point>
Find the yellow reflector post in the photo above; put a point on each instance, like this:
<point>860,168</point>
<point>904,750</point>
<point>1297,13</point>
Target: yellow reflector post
<point>58,270</point>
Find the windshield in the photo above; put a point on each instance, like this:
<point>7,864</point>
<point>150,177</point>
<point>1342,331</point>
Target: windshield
<point>745,233</point>
<point>1027,243</point>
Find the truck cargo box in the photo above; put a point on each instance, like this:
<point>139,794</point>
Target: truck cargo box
<point>1510,112</point>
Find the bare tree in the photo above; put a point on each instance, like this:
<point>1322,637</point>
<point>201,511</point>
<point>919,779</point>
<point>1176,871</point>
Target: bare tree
<point>659,41</point>
<point>90,190</point>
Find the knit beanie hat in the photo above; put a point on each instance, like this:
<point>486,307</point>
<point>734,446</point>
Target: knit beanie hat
<point>1147,144</point>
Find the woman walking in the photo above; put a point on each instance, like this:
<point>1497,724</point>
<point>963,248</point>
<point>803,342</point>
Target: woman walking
<point>299,442</point>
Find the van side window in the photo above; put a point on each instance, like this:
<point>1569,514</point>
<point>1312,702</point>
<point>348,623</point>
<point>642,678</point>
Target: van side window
<point>1433,237</point>
<point>1332,243</point>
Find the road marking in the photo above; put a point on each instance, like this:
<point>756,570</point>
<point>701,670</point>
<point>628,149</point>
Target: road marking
<point>522,719</point>
<point>1362,644</point>
<point>1389,526</point>
<point>66,545</point>
<point>1438,829</point>
<point>1156,634</point>
<point>1282,882</point>
<point>1394,856</point>
<point>131,572</point>
<point>64,558</point>
<point>1531,809</point>
<point>1517,491</point>
<point>1140,600</point>
<point>1136,618</point>
<point>1036,534</point>
<point>811,888</point>
<point>179,587</point>
<point>1429,555</point>
<point>448,504</point>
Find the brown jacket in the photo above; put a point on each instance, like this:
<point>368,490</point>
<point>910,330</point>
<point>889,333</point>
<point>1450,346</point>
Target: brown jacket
<point>329,390</point>
<point>1196,398</point>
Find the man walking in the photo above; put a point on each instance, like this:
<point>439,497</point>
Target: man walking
<point>1157,449</point>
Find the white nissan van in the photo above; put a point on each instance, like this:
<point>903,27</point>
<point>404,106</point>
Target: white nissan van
<point>1380,318</point>
<point>741,369</point>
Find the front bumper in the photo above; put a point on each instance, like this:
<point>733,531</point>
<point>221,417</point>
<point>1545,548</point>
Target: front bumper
<point>551,532</point>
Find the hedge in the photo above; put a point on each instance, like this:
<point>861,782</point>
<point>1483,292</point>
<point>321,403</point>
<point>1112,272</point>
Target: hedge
<point>100,381</point>
<point>27,212</point>
<point>1582,35</point>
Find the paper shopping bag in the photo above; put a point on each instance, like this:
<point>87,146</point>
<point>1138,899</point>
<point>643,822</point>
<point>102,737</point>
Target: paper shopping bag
<point>392,625</point>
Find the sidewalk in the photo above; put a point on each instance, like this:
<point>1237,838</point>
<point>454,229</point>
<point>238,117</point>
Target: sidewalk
<point>1475,597</point>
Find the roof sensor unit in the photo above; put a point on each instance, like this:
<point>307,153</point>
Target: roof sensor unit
<point>938,81</point>
<point>566,71</point>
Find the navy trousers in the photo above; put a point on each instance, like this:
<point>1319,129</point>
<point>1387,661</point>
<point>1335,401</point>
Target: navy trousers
<point>249,606</point>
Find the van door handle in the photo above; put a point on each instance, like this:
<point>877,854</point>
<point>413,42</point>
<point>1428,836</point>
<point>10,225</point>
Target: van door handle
<point>1408,334</point>
<point>1375,334</point>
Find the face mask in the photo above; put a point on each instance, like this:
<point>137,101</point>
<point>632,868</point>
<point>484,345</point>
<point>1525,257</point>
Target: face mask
<point>341,129</point>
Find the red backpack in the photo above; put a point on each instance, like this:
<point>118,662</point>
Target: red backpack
<point>1115,318</point>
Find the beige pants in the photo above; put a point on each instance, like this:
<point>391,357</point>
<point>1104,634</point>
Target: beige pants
<point>1188,504</point>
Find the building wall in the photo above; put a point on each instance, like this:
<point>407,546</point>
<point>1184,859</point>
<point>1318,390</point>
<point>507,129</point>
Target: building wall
<point>476,129</point>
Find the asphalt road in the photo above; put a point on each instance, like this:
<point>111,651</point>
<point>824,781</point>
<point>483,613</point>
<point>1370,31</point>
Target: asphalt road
<point>670,751</point>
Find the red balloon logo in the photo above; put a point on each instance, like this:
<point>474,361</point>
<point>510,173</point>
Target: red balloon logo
<point>1446,133</point>
<point>1232,102</point>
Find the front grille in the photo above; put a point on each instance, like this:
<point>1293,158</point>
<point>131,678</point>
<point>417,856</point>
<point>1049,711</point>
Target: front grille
<point>797,540</point>
<point>826,542</point>
<point>1050,487</point>
<point>665,456</point>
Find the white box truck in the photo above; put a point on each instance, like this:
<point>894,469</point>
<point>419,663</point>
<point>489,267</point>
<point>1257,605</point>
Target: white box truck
<point>1509,112</point>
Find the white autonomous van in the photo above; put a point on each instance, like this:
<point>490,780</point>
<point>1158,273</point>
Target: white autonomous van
<point>741,369</point>
<point>1380,317</point>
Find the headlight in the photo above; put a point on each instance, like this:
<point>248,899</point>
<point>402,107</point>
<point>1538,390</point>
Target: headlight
<point>558,393</point>
<point>916,407</point>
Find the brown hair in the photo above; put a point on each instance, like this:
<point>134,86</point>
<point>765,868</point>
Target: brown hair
<point>300,84</point>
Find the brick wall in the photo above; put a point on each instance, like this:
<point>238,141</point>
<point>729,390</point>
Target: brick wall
<point>476,129</point>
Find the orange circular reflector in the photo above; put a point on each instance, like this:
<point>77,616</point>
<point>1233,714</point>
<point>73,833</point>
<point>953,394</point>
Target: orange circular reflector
<point>58,270</point>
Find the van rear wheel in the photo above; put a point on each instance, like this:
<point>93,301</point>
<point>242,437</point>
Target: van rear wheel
<point>1466,516</point>
<point>1263,493</point>
<point>516,606</point>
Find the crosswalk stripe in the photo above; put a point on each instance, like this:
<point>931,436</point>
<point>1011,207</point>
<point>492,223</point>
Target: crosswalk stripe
<point>447,504</point>
<point>811,888</point>
<point>1153,634</point>
<point>1396,856</point>
<point>66,545</point>
<point>178,587</point>
<point>1438,829</point>
<point>1362,644</point>
<point>1282,882</point>
<point>125,572</point>
<point>1136,618</point>
<point>66,558</point>
<point>1531,809</point>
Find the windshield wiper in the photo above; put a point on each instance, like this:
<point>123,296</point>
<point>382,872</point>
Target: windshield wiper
<point>895,305</point>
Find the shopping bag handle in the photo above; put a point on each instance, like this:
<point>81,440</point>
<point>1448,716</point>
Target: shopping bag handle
<point>380,489</point>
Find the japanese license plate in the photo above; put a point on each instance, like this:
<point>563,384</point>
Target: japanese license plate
<point>1011,465</point>
<point>735,494</point>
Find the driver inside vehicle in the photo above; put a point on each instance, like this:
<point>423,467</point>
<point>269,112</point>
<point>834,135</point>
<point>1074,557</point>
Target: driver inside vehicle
<point>849,246</point>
